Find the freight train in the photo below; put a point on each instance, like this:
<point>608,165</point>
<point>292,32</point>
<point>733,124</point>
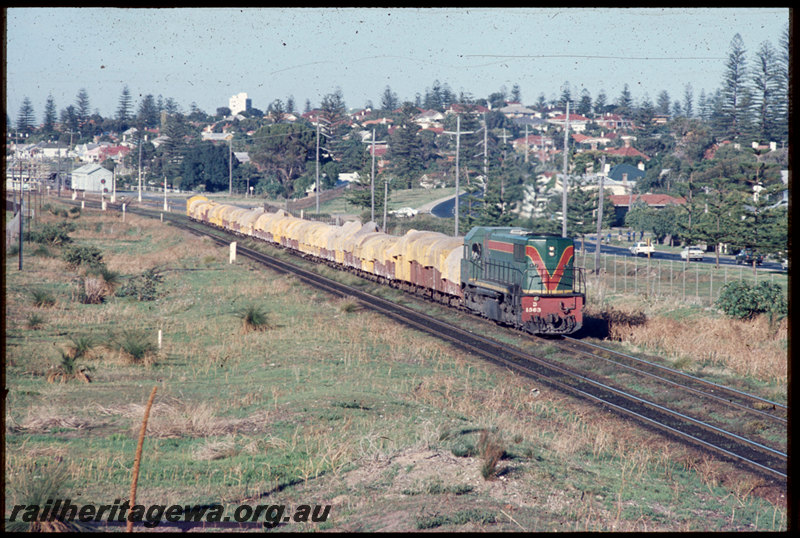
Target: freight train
<point>510,275</point>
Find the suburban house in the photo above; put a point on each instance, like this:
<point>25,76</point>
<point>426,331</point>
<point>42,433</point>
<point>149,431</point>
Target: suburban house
<point>92,178</point>
<point>622,203</point>
<point>516,110</point>
<point>577,123</point>
<point>627,150</point>
<point>613,121</point>
<point>429,118</point>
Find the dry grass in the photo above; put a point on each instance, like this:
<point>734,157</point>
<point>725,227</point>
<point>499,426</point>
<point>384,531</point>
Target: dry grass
<point>747,348</point>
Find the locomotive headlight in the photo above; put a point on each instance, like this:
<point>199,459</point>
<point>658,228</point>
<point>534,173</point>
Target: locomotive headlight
<point>536,298</point>
<point>551,250</point>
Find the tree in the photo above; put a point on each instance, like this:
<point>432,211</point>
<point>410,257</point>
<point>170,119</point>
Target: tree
<point>688,101</point>
<point>663,103</point>
<point>405,149</point>
<point>584,107</point>
<point>206,164</point>
<point>601,103</point>
<point>124,108</point>
<point>82,107</point>
<point>147,115</point>
<point>766,84</point>
<point>25,118</point>
<point>389,99</point>
<point>282,150</point>
<point>734,90</point>
<point>173,147</point>
<point>624,105</point>
<point>516,95</point>
<point>49,124</point>
<point>276,111</point>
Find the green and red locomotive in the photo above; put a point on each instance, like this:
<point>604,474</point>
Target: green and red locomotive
<point>520,278</point>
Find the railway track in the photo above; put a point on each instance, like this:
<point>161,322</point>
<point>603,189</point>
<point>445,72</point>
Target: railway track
<point>683,422</point>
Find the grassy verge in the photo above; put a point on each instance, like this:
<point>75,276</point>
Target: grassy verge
<point>326,404</point>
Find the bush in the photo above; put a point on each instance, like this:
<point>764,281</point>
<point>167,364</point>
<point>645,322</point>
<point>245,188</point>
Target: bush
<point>142,287</point>
<point>53,233</point>
<point>83,255</point>
<point>42,298</point>
<point>743,301</point>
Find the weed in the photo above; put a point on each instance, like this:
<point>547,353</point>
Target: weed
<point>83,255</point>
<point>69,369</point>
<point>254,318</point>
<point>34,485</point>
<point>93,292</point>
<point>42,298</point>
<point>491,451</point>
<point>459,518</point>
<point>34,321</point>
<point>143,287</point>
<point>135,344</point>
<point>53,233</point>
<point>81,346</point>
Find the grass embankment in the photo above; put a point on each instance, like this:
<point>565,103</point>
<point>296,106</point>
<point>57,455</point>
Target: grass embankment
<point>325,403</point>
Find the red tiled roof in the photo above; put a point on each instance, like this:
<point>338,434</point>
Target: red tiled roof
<point>649,199</point>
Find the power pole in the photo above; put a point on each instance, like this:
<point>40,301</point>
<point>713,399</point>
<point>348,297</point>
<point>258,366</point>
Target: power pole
<point>599,218</point>
<point>565,182</point>
<point>372,181</point>
<point>230,171</point>
<point>458,134</point>
<point>317,183</point>
<point>140,166</point>
<point>526,142</point>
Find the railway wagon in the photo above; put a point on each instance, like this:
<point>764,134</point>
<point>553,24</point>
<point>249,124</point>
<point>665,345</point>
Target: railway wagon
<point>519,278</point>
<point>509,275</point>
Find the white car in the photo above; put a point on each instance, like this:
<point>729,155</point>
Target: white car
<point>404,212</point>
<point>692,253</point>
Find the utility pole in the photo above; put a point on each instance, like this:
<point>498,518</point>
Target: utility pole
<point>372,181</point>
<point>385,201</point>
<point>458,134</point>
<point>485,157</point>
<point>140,166</point>
<point>165,193</point>
<point>230,172</point>
<point>317,183</point>
<point>565,182</point>
<point>526,142</point>
<point>599,217</point>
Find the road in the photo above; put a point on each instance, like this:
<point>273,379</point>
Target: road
<point>710,257</point>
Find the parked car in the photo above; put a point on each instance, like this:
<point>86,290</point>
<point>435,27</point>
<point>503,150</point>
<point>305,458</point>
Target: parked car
<point>642,249</point>
<point>693,253</point>
<point>747,256</point>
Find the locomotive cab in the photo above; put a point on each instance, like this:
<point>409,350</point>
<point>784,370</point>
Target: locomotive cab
<point>521,278</point>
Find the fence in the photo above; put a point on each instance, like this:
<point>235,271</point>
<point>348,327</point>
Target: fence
<point>699,283</point>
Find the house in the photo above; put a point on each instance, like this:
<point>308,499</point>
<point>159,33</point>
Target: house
<point>92,178</point>
<point>429,118</point>
<point>627,150</point>
<point>625,173</point>
<point>516,110</point>
<point>613,121</point>
<point>622,203</point>
<point>536,124</point>
<point>577,123</point>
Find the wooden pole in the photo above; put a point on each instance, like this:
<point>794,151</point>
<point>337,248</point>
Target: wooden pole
<point>138,459</point>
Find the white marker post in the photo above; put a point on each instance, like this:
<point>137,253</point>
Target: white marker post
<point>232,257</point>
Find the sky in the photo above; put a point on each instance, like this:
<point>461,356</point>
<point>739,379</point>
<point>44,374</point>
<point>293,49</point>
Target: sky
<point>205,56</point>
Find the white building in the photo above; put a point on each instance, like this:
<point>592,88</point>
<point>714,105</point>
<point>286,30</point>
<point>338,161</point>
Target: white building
<point>92,178</point>
<point>239,103</point>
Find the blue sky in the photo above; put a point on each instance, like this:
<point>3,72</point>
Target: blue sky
<point>207,55</point>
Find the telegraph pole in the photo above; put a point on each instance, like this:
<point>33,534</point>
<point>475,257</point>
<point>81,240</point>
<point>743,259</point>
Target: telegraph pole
<point>372,181</point>
<point>458,134</point>
<point>599,218</point>
<point>565,182</point>
<point>230,172</point>
<point>317,183</point>
<point>140,166</point>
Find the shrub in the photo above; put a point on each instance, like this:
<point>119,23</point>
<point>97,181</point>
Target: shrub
<point>88,256</point>
<point>43,298</point>
<point>135,344</point>
<point>142,287</point>
<point>53,233</point>
<point>254,318</point>
<point>34,321</point>
<point>93,291</point>
<point>743,301</point>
